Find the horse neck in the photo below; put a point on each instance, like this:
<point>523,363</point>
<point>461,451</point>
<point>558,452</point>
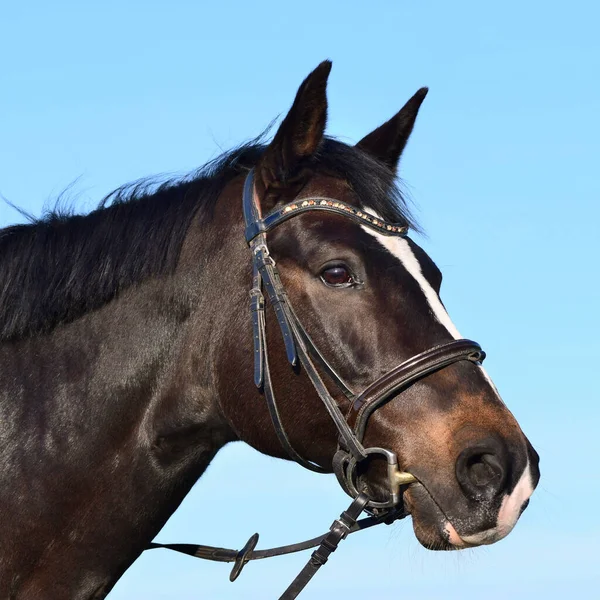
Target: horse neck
<point>120,408</point>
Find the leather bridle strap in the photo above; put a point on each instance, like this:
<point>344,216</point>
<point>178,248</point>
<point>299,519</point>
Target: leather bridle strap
<point>268,272</point>
<point>340,529</point>
<point>405,374</point>
<point>327,543</point>
<point>274,411</point>
<point>378,393</point>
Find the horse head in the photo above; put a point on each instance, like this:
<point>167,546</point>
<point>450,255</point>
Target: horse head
<point>366,298</point>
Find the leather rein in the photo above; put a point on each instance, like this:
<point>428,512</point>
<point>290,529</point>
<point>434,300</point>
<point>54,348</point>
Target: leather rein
<point>301,350</point>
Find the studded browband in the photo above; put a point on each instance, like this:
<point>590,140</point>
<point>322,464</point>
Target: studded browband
<point>279,215</point>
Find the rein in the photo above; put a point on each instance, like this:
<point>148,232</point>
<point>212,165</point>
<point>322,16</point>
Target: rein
<point>327,543</point>
<point>300,349</point>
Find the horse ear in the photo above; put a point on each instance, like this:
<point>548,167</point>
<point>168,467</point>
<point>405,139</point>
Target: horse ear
<point>387,142</point>
<point>298,136</point>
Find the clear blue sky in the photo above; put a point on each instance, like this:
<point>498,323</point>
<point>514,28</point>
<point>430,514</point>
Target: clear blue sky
<point>503,166</point>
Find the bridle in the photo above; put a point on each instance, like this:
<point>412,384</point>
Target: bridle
<point>300,347</point>
<point>301,351</point>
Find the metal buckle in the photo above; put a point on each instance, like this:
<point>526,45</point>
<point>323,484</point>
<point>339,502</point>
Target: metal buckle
<point>257,299</point>
<point>260,247</point>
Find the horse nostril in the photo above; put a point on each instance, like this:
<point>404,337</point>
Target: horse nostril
<point>481,471</point>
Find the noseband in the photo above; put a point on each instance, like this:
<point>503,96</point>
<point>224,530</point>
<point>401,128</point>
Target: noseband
<point>301,350</point>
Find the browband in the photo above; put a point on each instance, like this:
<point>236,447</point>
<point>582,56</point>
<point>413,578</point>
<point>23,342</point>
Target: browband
<point>255,225</point>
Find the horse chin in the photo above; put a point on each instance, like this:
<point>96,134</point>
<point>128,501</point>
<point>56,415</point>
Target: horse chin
<point>431,526</point>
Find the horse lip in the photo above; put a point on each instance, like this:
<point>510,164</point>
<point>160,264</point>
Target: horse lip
<point>445,529</point>
<point>430,495</point>
<point>448,531</point>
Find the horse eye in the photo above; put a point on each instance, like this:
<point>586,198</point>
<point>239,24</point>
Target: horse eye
<point>337,276</point>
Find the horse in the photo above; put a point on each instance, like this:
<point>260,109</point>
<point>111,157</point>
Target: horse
<point>131,353</point>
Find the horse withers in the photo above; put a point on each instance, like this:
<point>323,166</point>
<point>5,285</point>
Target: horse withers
<point>128,344</point>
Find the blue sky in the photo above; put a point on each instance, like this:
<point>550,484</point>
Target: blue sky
<point>503,167</point>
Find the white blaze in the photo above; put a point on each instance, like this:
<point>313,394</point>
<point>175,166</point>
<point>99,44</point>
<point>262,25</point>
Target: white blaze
<point>400,248</point>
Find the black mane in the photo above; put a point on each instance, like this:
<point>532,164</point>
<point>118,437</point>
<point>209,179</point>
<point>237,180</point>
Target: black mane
<point>61,266</point>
